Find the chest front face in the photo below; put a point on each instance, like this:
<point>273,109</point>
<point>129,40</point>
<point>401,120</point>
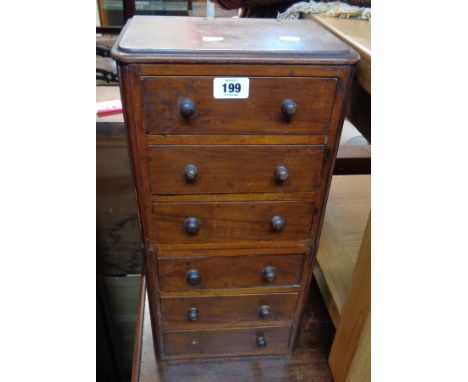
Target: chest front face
<point>233,140</point>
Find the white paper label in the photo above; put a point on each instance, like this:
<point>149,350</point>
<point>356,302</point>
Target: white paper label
<point>290,38</point>
<point>212,39</point>
<point>237,87</point>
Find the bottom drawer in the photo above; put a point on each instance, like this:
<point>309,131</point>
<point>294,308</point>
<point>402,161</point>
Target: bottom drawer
<point>269,340</point>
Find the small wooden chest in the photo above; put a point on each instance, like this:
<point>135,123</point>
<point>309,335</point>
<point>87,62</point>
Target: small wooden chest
<point>233,128</point>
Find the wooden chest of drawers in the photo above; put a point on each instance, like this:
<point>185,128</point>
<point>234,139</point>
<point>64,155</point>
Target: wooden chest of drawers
<point>233,129</point>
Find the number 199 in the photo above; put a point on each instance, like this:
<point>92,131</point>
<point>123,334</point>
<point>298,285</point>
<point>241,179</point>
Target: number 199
<point>232,88</point>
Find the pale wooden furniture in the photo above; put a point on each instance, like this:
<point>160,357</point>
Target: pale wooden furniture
<point>344,223</point>
<point>350,354</point>
<point>356,33</point>
<point>343,260</point>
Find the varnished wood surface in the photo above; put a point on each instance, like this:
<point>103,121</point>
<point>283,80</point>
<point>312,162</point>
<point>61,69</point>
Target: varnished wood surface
<point>234,169</point>
<point>356,33</point>
<point>270,196</point>
<point>360,368</point>
<point>239,70</point>
<point>226,342</point>
<point>230,272</point>
<point>230,222</point>
<point>356,316</point>
<point>228,311</point>
<point>260,113</point>
<point>253,245</point>
<point>200,139</point>
<point>151,39</point>
<point>224,223</point>
<point>307,363</point>
<point>207,252</point>
<point>350,159</point>
<point>343,228</point>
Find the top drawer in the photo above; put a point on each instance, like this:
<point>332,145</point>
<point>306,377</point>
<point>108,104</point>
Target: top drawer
<point>261,113</point>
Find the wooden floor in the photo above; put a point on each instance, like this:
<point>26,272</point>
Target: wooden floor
<point>307,363</point>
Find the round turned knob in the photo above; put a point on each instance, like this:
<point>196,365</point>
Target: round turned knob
<point>281,174</point>
<point>269,273</point>
<point>288,107</point>
<point>277,223</point>
<point>192,224</point>
<point>191,172</point>
<point>264,311</point>
<point>187,108</point>
<point>261,342</point>
<point>193,277</point>
<point>192,314</point>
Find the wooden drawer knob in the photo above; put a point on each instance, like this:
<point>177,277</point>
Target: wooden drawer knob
<point>277,223</point>
<point>261,342</point>
<point>264,311</point>
<point>192,224</point>
<point>192,314</point>
<point>187,108</point>
<point>193,277</point>
<point>269,273</point>
<point>281,174</point>
<point>191,172</point>
<point>288,107</point>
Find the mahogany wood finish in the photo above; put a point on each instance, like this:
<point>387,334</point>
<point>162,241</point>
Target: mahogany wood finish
<point>261,340</point>
<point>231,221</point>
<point>307,363</point>
<point>234,169</point>
<point>231,192</point>
<point>231,272</point>
<point>257,309</point>
<point>261,113</point>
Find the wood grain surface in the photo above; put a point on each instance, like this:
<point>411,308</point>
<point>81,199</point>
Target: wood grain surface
<point>228,311</point>
<point>230,272</point>
<point>356,33</point>
<point>307,363</point>
<point>343,229</point>
<point>260,113</point>
<point>355,314</point>
<point>232,221</point>
<point>234,212</point>
<point>235,169</point>
<point>150,39</point>
<point>360,368</point>
<point>240,341</point>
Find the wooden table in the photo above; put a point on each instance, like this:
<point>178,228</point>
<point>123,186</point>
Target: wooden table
<point>356,33</point>
<point>307,363</point>
<point>344,257</point>
<point>344,224</point>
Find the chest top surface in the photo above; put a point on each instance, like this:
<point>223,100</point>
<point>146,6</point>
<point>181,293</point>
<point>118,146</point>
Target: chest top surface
<point>154,39</point>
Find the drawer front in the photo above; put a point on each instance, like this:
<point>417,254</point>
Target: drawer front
<point>260,113</point>
<point>183,312</point>
<point>230,272</point>
<point>231,222</point>
<point>222,342</point>
<point>234,169</point>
